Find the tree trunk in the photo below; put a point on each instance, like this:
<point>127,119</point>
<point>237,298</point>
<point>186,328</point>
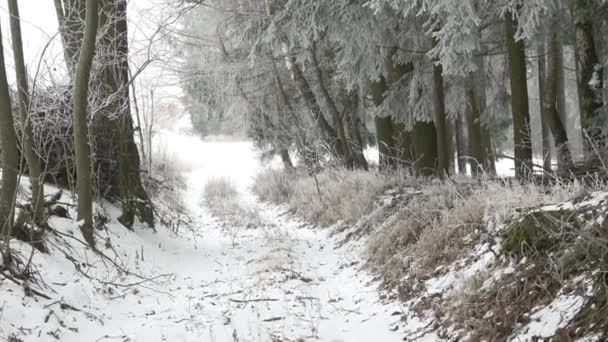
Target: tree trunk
<point>81,141</point>
<point>551,103</point>
<point>28,145</point>
<point>460,146</point>
<point>287,164</point>
<point>309,158</point>
<point>9,154</point>
<point>519,100</point>
<point>342,142</point>
<point>384,128</point>
<point>476,149</point>
<point>425,147</point>
<point>545,134</point>
<point>487,152</point>
<point>125,182</point>
<point>353,122</point>
<point>142,144</point>
<point>70,17</point>
<point>590,76</point>
<point>394,141</point>
<point>443,165</point>
<point>330,137</point>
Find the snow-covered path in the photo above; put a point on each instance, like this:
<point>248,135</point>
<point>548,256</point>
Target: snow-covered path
<point>278,281</point>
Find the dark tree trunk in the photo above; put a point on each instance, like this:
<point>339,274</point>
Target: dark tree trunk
<point>352,110</point>
<point>519,99</point>
<point>545,134</point>
<point>440,122</point>
<point>460,146</point>
<point>551,103</point>
<point>384,128</point>
<point>476,150</point>
<point>117,145</point>
<point>342,143</point>
<point>590,76</point>
<point>329,134</point>
<point>287,164</point>
<point>425,147</point>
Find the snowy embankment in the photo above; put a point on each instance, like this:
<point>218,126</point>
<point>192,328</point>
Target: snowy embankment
<point>280,281</point>
<point>469,261</point>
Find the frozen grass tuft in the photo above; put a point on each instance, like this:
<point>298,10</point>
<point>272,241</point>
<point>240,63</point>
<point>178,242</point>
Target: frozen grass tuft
<point>274,186</point>
<point>222,198</point>
<point>219,189</point>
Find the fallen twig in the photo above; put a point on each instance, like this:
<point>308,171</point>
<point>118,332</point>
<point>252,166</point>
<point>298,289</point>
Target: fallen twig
<point>253,300</point>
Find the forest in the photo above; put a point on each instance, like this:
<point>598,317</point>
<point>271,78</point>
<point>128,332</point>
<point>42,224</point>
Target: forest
<point>303,170</point>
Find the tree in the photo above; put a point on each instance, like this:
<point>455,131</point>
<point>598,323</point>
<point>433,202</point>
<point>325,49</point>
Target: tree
<point>115,157</point>
<point>552,97</point>
<point>443,153</point>
<point>10,155</point>
<point>590,75</point>
<point>28,145</point>
<point>519,98</point>
<point>80,96</point>
<point>116,145</point>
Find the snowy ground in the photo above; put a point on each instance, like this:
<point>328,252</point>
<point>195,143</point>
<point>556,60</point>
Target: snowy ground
<point>282,281</point>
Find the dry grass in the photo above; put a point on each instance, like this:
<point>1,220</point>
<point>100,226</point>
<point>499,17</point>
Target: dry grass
<point>274,186</point>
<point>430,223</point>
<point>442,223</point>
<point>219,189</point>
<point>425,227</point>
<point>332,196</point>
<point>222,198</point>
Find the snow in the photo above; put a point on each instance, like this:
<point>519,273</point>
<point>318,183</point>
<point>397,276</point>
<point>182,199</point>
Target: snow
<point>546,320</point>
<point>281,281</point>
<point>461,271</point>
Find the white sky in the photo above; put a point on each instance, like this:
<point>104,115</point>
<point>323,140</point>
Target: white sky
<point>39,26</point>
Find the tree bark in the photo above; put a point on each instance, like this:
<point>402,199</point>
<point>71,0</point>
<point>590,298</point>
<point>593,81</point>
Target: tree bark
<point>330,137</point>
<point>425,147</point>
<point>443,162</point>
<point>81,141</point>
<point>545,134</point>
<point>460,146</point>
<point>384,128</point>
<point>353,122</point>
<point>70,17</point>
<point>590,77</point>
<point>9,154</point>
<point>476,139</point>
<point>551,103</point>
<point>342,142</point>
<point>117,122</point>
<point>28,145</point>
<point>519,99</point>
